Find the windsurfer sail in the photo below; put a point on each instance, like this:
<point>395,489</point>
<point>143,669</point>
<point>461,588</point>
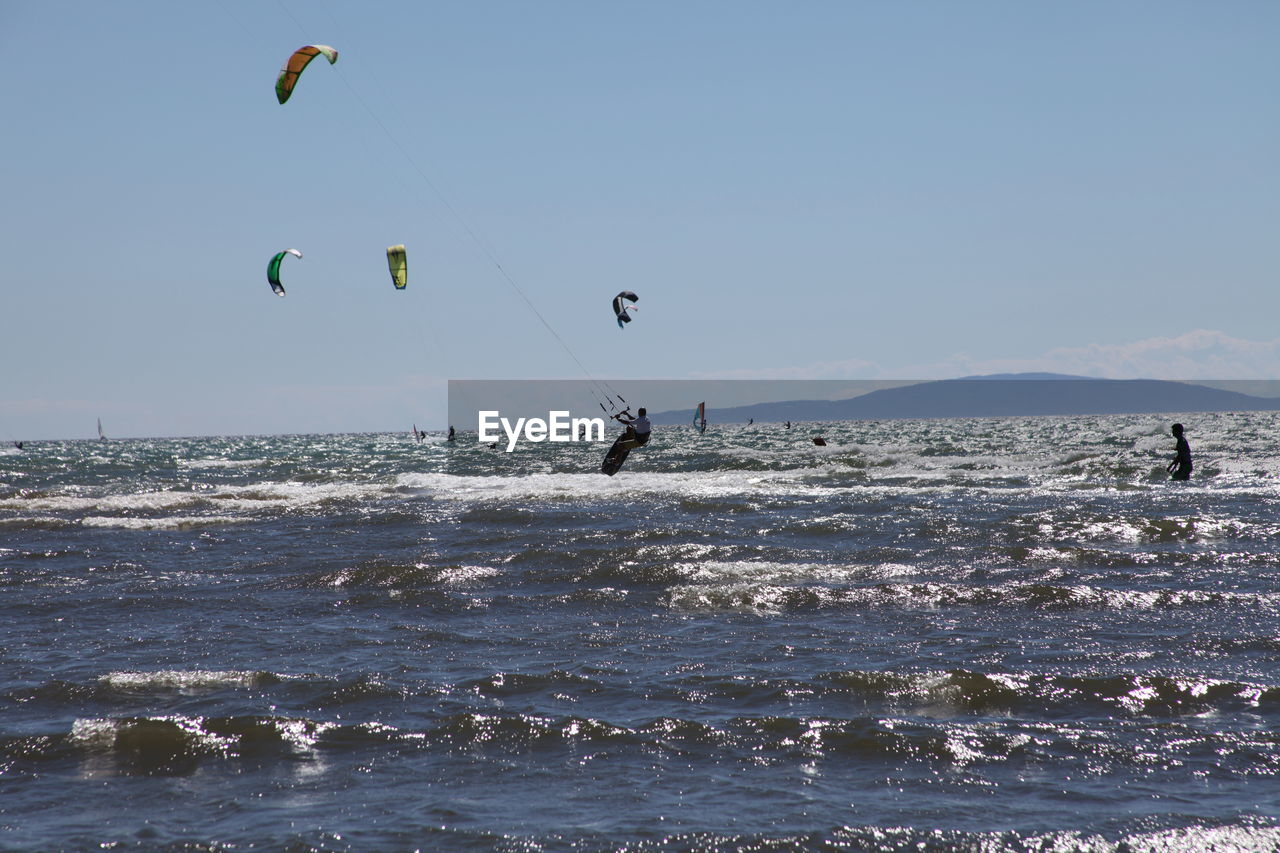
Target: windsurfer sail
<point>700,417</point>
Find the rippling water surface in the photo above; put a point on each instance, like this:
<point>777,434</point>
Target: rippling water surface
<point>928,635</point>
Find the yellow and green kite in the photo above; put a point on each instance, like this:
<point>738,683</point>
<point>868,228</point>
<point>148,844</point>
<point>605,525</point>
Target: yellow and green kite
<point>398,265</point>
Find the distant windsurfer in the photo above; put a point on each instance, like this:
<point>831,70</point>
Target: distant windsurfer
<point>638,428</point>
<point>1180,467</point>
<point>452,434</point>
<point>18,444</point>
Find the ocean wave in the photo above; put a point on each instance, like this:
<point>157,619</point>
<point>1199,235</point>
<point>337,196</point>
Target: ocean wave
<point>180,522</point>
<point>594,486</point>
<point>217,462</point>
<point>149,501</point>
<point>419,576</point>
<point>27,522</point>
<point>1190,836</point>
<point>958,694</point>
<point>1244,836</point>
<point>187,681</point>
<point>1054,696</point>
<point>1056,524</point>
<point>773,591</point>
<point>250,498</point>
<point>508,685</point>
<point>176,745</point>
<point>930,740</point>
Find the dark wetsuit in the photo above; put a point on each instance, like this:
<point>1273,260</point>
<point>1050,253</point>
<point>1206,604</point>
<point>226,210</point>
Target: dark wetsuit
<point>1182,460</point>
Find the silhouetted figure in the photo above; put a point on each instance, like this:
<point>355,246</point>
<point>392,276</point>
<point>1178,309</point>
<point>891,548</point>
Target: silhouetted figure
<point>1180,467</point>
<point>452,434</point>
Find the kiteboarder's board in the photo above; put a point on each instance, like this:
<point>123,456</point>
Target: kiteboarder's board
<point>615,457</point>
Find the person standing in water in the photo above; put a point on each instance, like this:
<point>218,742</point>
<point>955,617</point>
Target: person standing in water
<point>1180,467</point>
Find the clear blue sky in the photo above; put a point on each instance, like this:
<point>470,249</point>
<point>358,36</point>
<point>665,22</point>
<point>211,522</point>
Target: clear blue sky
<point>813,189</point>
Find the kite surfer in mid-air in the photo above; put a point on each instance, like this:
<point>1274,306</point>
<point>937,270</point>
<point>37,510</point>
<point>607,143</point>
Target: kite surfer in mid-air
<point>638,428</point>
<point>1180,467</point>
<point>636,435</point>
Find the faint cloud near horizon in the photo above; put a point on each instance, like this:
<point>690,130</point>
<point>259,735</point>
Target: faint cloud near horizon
<point>1199,354</point>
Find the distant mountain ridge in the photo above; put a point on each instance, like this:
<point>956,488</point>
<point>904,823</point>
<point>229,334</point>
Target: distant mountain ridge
<point>998,395</point>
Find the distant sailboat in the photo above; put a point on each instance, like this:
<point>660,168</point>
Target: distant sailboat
<point>101,435</point>
<point>700,417</point>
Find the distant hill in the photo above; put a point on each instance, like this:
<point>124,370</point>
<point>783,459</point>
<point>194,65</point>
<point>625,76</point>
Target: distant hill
<point>997,396</point>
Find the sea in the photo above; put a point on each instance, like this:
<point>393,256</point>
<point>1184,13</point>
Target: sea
<point>983,634</point>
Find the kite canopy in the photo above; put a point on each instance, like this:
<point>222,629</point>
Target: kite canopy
<point>294,65</point>
<point>620,307</point>
<point>399,266</point>
<point>273,269</point>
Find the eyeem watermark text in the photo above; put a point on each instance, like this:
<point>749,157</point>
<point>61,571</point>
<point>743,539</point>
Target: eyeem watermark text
<point>557,427</point>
